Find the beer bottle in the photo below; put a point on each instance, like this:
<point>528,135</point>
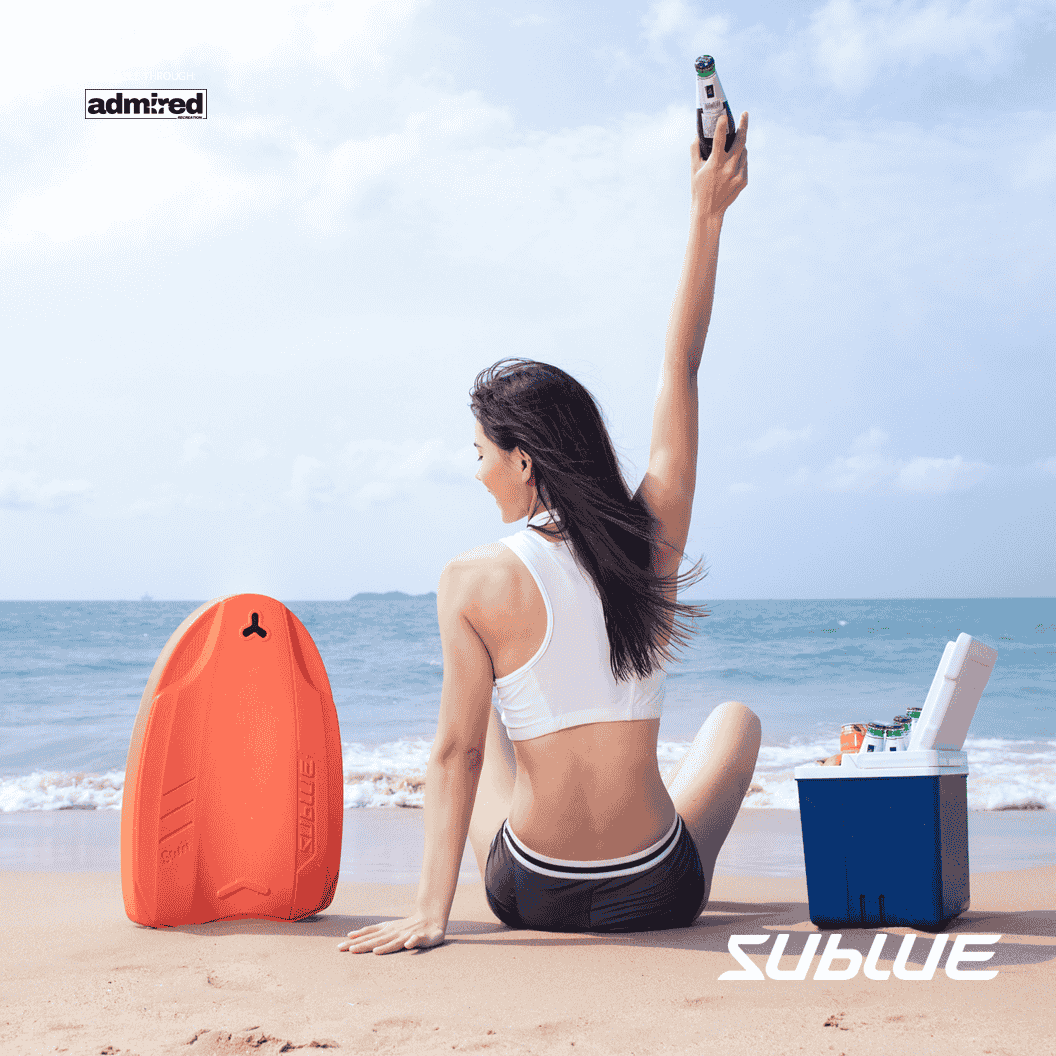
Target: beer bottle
<point>711,100</point>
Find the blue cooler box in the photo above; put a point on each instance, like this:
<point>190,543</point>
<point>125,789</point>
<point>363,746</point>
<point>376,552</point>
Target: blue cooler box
<point>885,839</point>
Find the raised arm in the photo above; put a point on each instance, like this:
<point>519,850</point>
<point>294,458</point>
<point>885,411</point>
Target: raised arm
<point>670,480</point>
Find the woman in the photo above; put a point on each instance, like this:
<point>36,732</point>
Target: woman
<point>571,619</point>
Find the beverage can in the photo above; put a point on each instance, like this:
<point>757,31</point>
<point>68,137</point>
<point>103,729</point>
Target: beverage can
<point>894,739</point>
<point>851,736</point>
<point>873,741</point>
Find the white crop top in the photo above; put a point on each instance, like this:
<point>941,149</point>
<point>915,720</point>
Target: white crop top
<point>569,681</point>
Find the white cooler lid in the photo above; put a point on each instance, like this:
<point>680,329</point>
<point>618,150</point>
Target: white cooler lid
<point>889,764</point>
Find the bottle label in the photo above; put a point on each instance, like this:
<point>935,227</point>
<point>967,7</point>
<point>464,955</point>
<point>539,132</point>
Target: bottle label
<point>711,101</point>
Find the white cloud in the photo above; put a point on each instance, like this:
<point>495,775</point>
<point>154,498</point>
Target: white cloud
<point>849,43</point>
<point>1046,466</point>
<point>434,461</point>
<point>368,473</point>
<point>407,164</point>
<point>1038,164</point>
<point>868,467</point>
<point>152,179</point>
<point>367,24</point>
<point>854,41</point>
<point>939,475</point>
<point>163,498</point>
<point>677,18</point>
<point>138,174</point>
<point>196,447</point>
<point>78,46</point>
<point>162,179</point>
<point>864,468</point>
<point>212,497</point>
<point>779,438</point>
<point>743,489</point>
<point>340,177</point>
<point>400,467</point>
<point>27,491</point>
<point>19,446</point>
<point>252,450</point>
<point>528,20</point>
<point>310,484</point>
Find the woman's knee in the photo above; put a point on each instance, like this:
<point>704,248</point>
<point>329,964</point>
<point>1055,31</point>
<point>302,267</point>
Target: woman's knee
<point>737,714</point>
<point>742,725</point>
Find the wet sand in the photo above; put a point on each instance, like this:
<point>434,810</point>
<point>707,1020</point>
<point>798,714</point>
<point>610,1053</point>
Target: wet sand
<point>385,845</point>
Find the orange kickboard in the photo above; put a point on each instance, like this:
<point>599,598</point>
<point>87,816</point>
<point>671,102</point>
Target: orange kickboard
<point>234,791</point>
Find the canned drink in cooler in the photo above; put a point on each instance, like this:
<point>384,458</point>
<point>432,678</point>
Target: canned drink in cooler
<point>894,739</point>
<point>873,741</point>
<point>851,736</point>
<point>914,716</point>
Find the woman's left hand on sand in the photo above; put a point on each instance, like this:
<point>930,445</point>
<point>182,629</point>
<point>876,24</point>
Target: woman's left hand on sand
<point>407,934</point>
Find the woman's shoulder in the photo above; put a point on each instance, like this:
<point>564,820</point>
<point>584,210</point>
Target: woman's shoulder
<point>484,580</point>
<point>482,559</point>
<point>488,567</point>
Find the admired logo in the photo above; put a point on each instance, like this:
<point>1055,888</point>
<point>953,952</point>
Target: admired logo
<point>306,806</point>
<point>850,960</point>
<point>170,104</point>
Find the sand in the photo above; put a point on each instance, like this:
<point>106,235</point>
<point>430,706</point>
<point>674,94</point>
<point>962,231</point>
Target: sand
<point>385,845</point>
<point>77,976</point>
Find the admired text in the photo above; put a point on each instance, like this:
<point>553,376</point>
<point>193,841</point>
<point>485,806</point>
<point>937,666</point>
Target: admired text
<point>170,104</point>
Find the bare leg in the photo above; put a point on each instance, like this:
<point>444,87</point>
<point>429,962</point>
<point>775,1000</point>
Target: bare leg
<point>494,790</point>
<point>709,784</point>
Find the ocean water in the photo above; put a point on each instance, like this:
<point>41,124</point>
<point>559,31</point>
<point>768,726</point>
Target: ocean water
<point>72,674</point>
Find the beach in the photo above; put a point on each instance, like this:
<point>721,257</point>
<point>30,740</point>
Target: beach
<point>79,977</point>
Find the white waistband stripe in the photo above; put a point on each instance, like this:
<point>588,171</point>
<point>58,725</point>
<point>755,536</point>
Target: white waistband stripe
<point>602,869</point>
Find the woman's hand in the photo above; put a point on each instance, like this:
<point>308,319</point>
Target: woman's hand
<point>407,934</point>
<point>717,181</point>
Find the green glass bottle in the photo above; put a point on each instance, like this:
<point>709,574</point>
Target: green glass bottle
<point>711,101</point>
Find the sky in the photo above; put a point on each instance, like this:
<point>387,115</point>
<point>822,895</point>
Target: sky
<point>237,352</point>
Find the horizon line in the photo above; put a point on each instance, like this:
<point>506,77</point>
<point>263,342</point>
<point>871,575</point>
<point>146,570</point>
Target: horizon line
<point>432,593</point>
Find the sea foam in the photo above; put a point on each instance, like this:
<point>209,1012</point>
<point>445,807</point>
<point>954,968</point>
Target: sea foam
<point>1003,775</point>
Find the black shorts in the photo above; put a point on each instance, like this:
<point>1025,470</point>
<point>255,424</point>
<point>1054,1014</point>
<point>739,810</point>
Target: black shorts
<point>660,887</point>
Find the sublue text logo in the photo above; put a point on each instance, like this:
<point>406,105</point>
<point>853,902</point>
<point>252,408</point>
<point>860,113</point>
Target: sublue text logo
<point>837,965</point>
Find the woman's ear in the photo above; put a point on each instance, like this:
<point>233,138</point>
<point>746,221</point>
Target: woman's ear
<point>526,463</point>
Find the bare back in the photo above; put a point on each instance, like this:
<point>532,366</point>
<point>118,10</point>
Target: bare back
<point>588,792</point>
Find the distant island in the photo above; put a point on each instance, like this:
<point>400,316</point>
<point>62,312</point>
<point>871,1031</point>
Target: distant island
<point>390,595</point>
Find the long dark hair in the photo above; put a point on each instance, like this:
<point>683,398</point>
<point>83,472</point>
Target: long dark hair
<point>612,534</point>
